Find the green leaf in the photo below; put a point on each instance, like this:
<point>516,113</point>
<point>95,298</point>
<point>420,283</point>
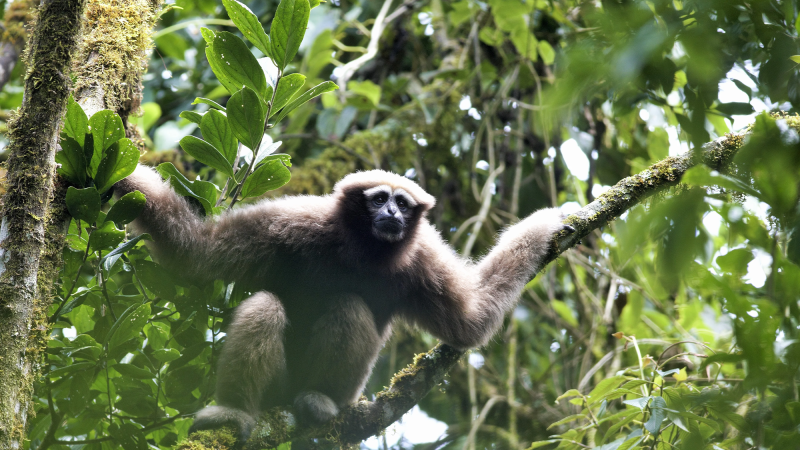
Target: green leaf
<point>206,154</point>
<point>288,87</point>
<point>367,89</point>
<point>72,368</point>
<point>151,112</point>
<point>288,28</point>
<point>567,419</point>
<point>735,108</point>
<point>76,124</point>
<point>271,175</point>
<point>314,3</point>
<point>265,154</point>
<point>108,261</point>
<point>546,52</point>
<point>217,132</point>
<point>107,128</point>
<point>107,236</point>
<point>211,103</point>
<point>129,325</point>
<point>657,415</point>
<point>795,58</point>
<point>83,204</point>
<point>166,354</point>
<point>119,162</point>
<point>204,192</point>
<point>565,312</point>
<point>248,24</point>
<point>129,370</point>
<point>155,278</point>
<point>569,393</point>
<point>234,65</point>
<point>72,161</point>
<point>605,387</point>
<point>317,90</point>
<point>538,444</point>
<point>208,35</point>
<point>191,116</point>
<point>246,116</point>
<point>735,261</point>
<point>126,209</point>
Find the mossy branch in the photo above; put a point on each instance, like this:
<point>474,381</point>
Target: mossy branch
<point>409,386</point>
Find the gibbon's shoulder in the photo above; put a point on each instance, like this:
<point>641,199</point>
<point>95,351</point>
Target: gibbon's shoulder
<point>361,181</point>
<point>294,210</point>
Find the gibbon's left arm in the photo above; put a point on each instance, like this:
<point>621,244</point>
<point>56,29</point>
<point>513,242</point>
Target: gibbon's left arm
<point>464,303</point>
<point>230,246</point>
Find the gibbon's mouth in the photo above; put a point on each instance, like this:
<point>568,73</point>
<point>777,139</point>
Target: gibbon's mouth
<point>389,225</point>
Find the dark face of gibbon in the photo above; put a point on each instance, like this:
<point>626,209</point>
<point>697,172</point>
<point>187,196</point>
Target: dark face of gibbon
<point>391,211</point>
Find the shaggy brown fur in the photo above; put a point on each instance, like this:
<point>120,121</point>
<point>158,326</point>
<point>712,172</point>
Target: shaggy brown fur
<point>328,287</point>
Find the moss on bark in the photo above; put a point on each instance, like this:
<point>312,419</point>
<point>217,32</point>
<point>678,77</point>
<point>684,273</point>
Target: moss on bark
<point>33,133</point>
<point>114,55</point>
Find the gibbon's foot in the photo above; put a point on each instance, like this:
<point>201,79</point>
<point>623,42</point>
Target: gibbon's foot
<point>569,229</point>
<point>216,416</point>
<point>314,408</point>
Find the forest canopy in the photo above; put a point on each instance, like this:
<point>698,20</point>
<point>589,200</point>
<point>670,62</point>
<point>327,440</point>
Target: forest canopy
<point>667,131</point>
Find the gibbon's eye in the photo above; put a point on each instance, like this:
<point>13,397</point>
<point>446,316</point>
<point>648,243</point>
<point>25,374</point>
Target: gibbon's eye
<point>402,204</point>
<point>380,199</point>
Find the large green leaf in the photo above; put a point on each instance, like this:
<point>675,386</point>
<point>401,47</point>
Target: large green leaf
<point>119,162</point>
<point>217,132</point>
<point>317,90</point>
<point>269,176</point>
<point>191,116</point>
<point>76,124</point>
<point>246,116</point>
<point>126,209</point>
<point>248,24</point>
<point>105,237</point>
<point>288,28</point>
<point>204,192</point>
<point>129,325</point>
<point>155,278</point>
<point>288,87</point>
<point>83,204</point>
<point>235,65</point>
<point>107,262</point>
<point>208,102</point>
<point>107,128</point>
<point>206,154</point>
<point>72,161</point>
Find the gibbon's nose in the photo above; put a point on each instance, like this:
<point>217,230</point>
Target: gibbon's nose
<point>391,208</point>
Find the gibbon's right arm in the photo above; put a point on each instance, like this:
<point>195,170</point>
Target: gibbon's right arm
<point>182,240</point>
<point>464,303</point>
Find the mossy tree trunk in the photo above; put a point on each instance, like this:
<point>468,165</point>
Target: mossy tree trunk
<point>26,209</point>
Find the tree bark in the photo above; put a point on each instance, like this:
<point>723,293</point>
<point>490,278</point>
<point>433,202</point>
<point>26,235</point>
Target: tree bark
<point>114,54</point>
<point>409,386</point>
<point>26,209</point>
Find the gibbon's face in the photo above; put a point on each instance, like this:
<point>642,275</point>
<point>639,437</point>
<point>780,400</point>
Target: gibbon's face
<point>391,211</point>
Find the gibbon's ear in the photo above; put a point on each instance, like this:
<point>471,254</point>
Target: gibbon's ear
<point>361,181</point>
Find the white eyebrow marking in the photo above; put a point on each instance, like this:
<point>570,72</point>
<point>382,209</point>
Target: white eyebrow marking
<point>371,192</point>
<point>406,196</point>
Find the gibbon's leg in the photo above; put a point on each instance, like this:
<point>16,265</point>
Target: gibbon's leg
<point>251,367</point>
<point>342,349</point>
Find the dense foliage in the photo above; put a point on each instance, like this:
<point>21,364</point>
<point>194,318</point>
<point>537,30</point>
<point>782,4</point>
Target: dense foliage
<point>674,327</point>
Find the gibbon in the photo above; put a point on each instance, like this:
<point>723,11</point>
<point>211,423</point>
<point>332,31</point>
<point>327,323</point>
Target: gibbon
<point>330,274</point>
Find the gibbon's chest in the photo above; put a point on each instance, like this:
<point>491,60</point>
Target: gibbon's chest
<point>312,279</point>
